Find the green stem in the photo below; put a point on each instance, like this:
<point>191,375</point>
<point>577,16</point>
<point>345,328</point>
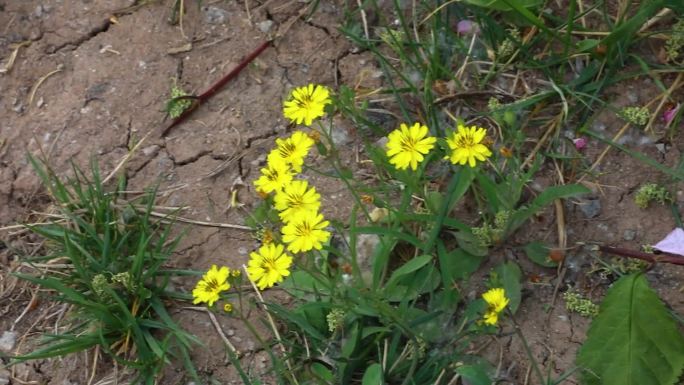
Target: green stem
<point>528,351</point>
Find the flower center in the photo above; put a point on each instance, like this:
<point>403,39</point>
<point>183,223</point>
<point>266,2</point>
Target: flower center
<point>286,150</point>
<point>304,229</point>
<point>272,175</point>
<point>211,285</point>
<point>408,144</point>
<point>304,101</point>
<point>268,264</point>
<point>465,140</point>
<point>295,201</point>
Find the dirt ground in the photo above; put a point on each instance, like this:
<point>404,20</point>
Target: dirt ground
<point>93,82</point>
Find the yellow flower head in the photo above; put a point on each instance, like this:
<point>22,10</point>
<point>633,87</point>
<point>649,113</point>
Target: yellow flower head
<point>306,104</point>
<point>274,176</point>
<point>211,285</point>
<point>292,150</point>
<point>406,146</point>
<point>496,303</point>
<point>467,147</point>
<point>305,232</point>
<point>269,266</point>
<point>228,307</point>
<point>295,199</point>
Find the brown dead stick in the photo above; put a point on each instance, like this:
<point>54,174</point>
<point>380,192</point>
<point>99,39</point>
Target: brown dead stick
<point>653,258</point>
<point>199,100</point>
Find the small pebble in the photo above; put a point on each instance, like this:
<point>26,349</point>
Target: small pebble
<point>629,235</point>
<point>590,207</point>
<point>7,341</point>
<point>215,15</point>
<point>4,376</point>
<point>265,26</point>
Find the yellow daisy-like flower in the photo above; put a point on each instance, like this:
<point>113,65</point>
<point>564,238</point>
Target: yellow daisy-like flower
<point>406,146</point>
<point>496,303</point>
<point>274,176</point>
<point>306,103</point>
<point>269,266</point>
<point>295,199</point>
<point>292,150</point>
<point>305,232</point>
<point>211,285</point>
<point>466,145</point>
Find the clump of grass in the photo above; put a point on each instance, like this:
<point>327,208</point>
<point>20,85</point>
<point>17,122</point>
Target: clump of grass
<point>111,254</point>
<point>651,192</point>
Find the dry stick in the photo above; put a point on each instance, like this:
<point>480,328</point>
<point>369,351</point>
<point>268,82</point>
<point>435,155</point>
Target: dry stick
<point>653,258</point>
<point>198,100</point>
<point>663,98</point>
<point>125,159</point>
<point>40,81</point>
<point>605,152</point>
<point>200,223</point>
<point>271,322</point>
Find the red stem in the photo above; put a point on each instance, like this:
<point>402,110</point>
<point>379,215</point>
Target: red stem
<point>216,86</point>
<point>653,258</point>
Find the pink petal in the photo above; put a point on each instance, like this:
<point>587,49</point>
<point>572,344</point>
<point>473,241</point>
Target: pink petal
<point>580,142</point>
<point>673,243</point>
<point>466,27</point>
<point>669,114</point>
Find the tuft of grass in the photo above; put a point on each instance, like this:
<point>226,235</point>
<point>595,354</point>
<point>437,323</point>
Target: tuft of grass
<point>111,273</point>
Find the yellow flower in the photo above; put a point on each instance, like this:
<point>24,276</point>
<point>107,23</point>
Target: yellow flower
<point>292,150</point>
<point>306,104</point>
<point>496,303</point>
<point>269,265</point>
<point>228,307</point>
<point>294,199</point>
<point>467,147</point>
<point>305,232</point>
<point>274,176</point>
<point>211,285</point>
<point>406,146</point>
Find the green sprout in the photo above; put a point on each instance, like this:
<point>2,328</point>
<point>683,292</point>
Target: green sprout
<point>651,192</point>
<point>636,115</point>
<point>576,303</point>
<point>674,44</point>
<point>175,106</point>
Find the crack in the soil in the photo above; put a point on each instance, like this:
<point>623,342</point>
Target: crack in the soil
<point>268,134</point>
<point>204,241</point>
<point>191,159</point>
<point>102,27</point>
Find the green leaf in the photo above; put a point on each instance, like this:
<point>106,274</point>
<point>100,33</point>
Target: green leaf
<point>456,264</point>
<point>542,200</point>
<point>633,340</point>
<point>501,5</point>
<point>538,253</point>
<point>476,374</point>
<point>373,375</point>
<point>509,275</point>
<point>407,268</point>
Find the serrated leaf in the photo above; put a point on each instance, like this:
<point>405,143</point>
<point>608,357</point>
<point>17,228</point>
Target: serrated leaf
<point>634,340</point>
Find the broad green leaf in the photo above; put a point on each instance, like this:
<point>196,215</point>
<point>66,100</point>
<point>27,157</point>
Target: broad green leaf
<point>372,375</point>
<point>456,264</point>
<point>538,253</point>
<point>322,372</point>
<point>301,284</point>
<point>408,268</point>
<point>509,275</point>
<point>634,340</point>
<point>476,374</point>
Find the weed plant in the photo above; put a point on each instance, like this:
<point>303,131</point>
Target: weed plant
<point>112,256</point>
